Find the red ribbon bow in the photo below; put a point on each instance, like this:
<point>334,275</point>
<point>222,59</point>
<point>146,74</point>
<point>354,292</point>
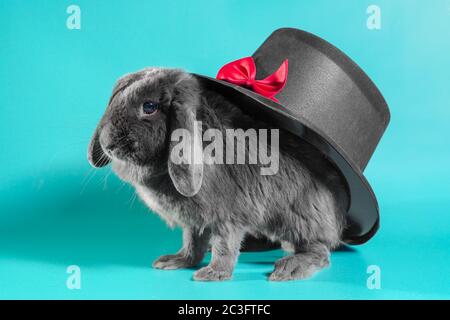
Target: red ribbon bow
<point>243,71</point>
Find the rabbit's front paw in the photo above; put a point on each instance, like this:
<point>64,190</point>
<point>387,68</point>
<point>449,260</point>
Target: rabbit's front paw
<point>173,261</point>
<point>209,274</point>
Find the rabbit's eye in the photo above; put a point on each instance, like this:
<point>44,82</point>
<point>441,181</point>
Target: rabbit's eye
<point>149,107</point>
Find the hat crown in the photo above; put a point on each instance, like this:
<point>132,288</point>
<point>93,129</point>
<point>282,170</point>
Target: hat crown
<point>328,89</point>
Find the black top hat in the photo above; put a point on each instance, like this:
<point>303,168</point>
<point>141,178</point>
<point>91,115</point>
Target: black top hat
<point>329,102</point>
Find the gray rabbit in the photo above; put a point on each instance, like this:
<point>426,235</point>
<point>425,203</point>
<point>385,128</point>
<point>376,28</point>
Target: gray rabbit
<point>302,206</point>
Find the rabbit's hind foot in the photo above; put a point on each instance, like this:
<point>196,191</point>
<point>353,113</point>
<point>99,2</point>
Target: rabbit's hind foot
<point>302,264</point>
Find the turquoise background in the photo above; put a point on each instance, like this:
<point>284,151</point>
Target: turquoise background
<point>56,211</point>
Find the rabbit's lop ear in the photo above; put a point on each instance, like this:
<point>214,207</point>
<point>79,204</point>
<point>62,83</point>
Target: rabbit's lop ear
<point>185,146</point>
<point>96,157</point>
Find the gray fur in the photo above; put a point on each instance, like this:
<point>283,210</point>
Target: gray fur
<point>303,205</point>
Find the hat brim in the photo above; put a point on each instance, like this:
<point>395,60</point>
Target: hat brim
<point>363,213</point>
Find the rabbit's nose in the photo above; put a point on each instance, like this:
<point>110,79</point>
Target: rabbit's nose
<point>105,139</point>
